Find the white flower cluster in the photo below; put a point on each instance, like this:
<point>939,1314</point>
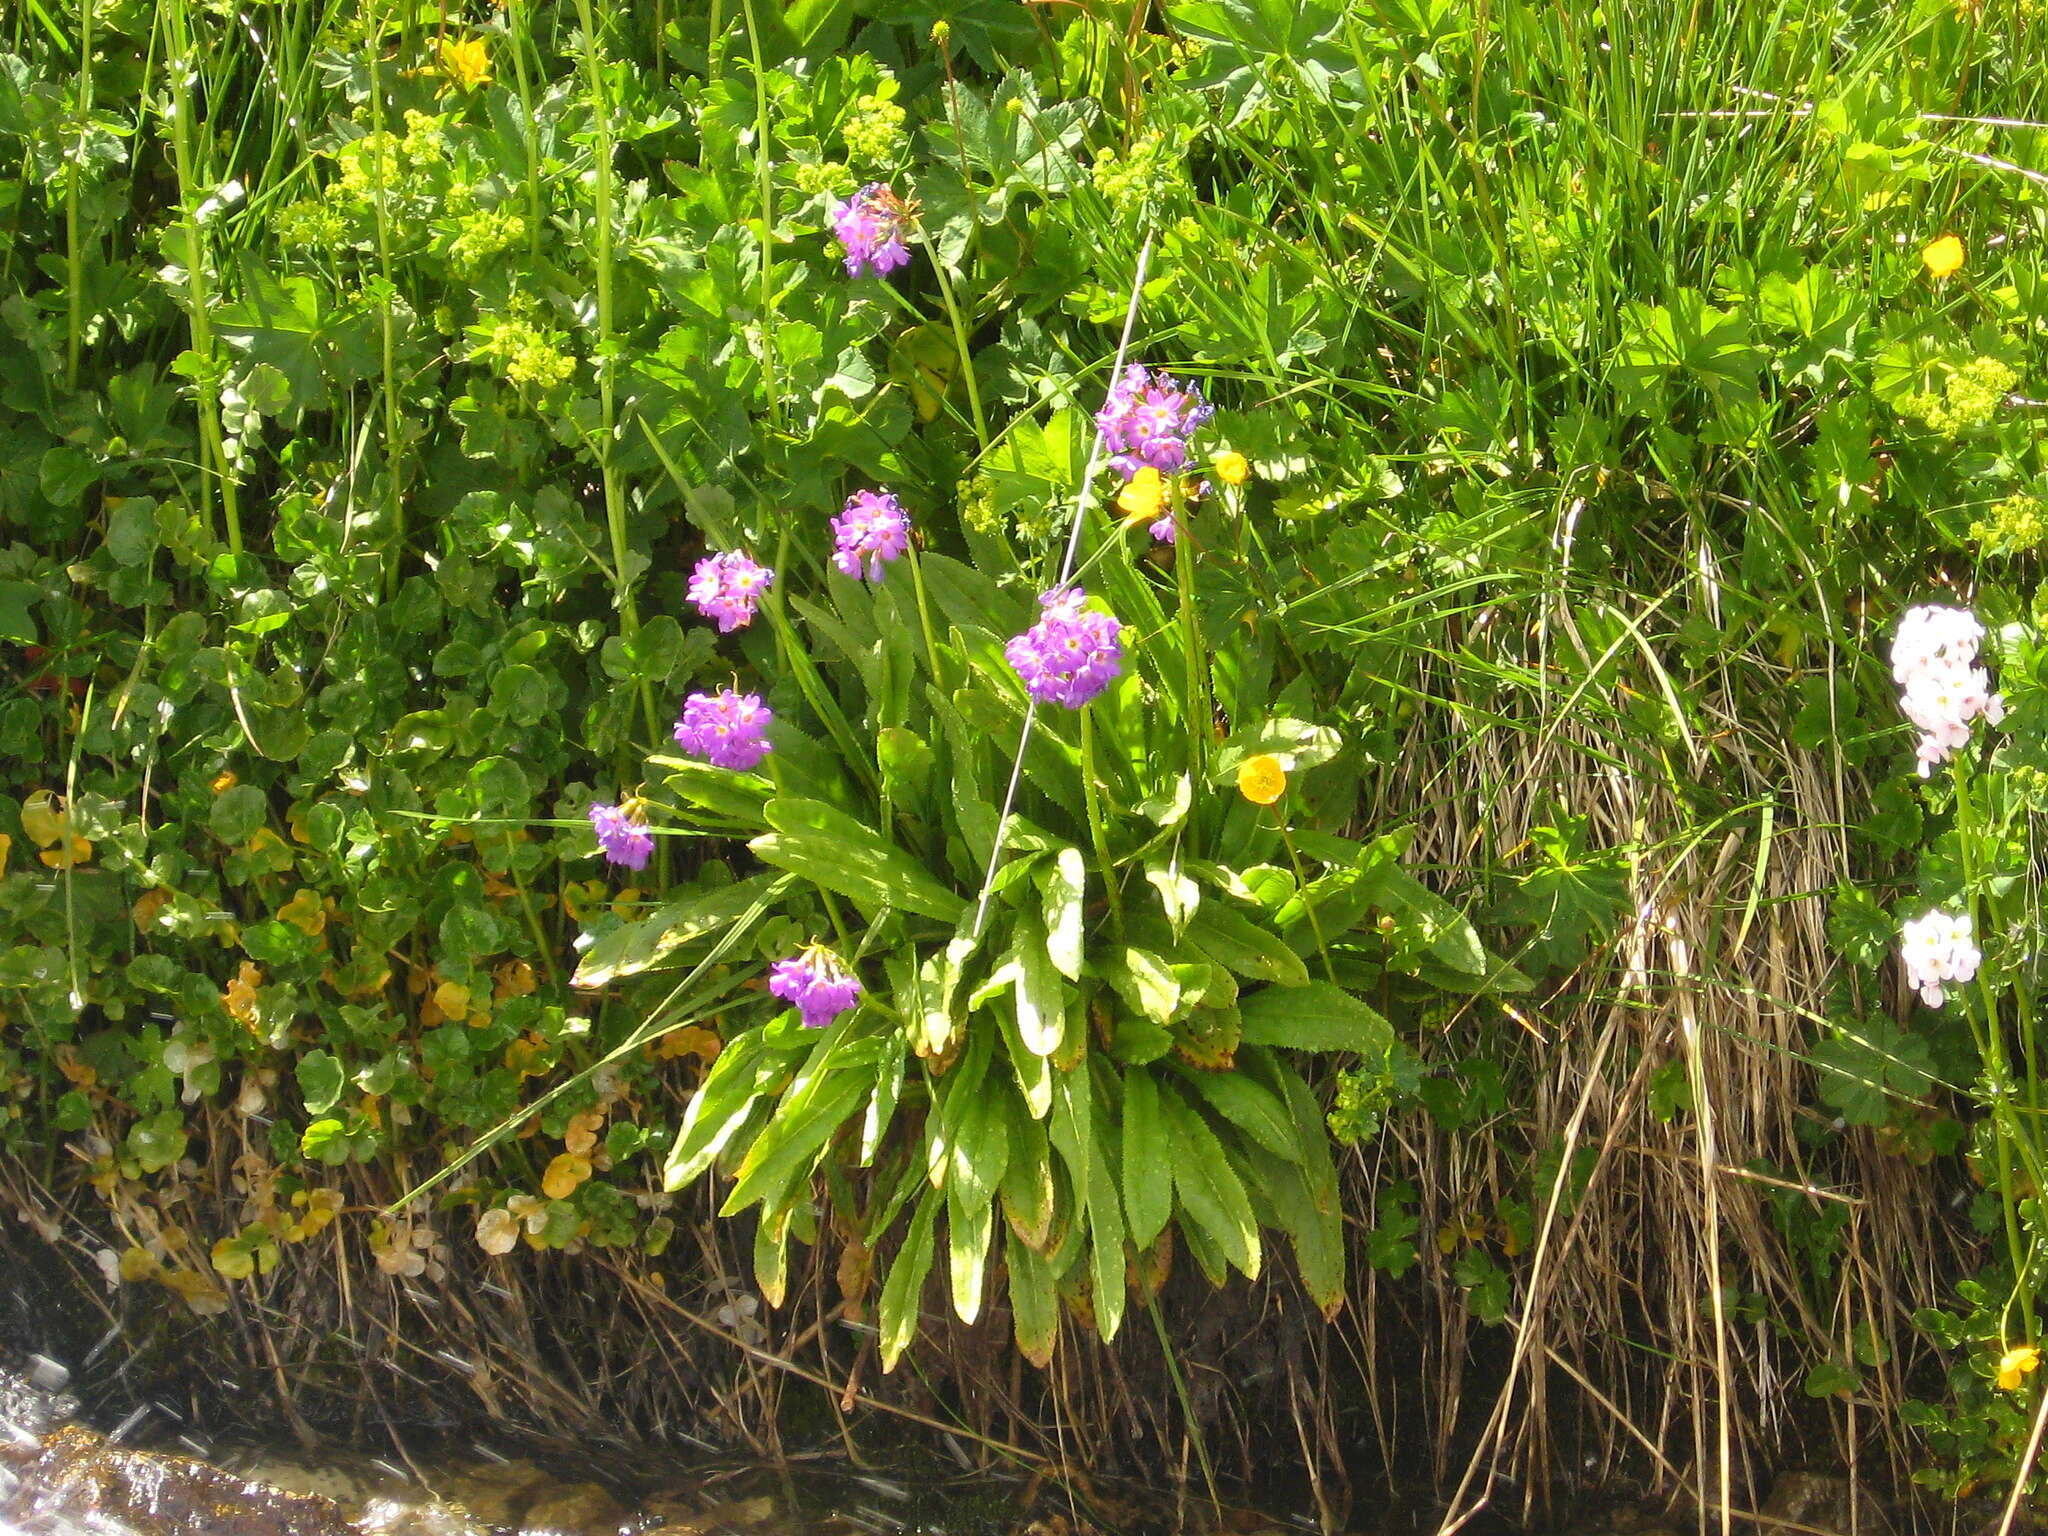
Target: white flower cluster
<point>1940,951</point>
<point>1933,661</point>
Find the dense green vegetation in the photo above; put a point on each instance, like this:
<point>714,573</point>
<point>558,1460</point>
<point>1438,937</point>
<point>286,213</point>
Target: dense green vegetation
<point>1489,816</point>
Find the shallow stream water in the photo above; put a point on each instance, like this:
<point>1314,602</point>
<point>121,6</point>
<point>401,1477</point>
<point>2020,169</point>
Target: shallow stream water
<point>61,1477</point>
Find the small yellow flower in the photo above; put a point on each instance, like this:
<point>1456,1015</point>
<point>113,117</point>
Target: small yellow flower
<point>1231,468</point>
<point>1942,257</point>
<point>2015,1364</point>
<point>1142,500</point>
<point>466,62</point>
<point>1262,779</point>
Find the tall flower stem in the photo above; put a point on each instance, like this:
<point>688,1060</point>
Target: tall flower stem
<point>1201,713</point>
<point>214,470</point>
<point>797,662</point>
<point>386,290</point>
<point>924,617</point>
<point>1081,494</point>
<point>765,181</point>
<point>73,191</point>
<point>2006,1133</point>
<point>959,325</point>
<point>606,360</point>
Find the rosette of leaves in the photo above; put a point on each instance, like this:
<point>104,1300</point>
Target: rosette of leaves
<point>1102,1061</point>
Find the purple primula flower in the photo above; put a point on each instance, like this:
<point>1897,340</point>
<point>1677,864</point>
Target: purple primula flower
<point>1163,531</point>
<point>817,982</point>
<point>728,587</point>
<point>1071,653</point>
<point>725,728</point>
<point>871,531</point>
<point>1148,418</point>
<point>870,224</point>
<point>622,833</point>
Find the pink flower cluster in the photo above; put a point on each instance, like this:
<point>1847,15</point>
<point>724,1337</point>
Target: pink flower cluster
<point>728,587</point>
<point>1940,951</point>
<point>817,982</point>
<point>869,532</point>
<point>1072,652</point>
<point>1147,418</point>
<point>622,833</point>
<point>870,225</point>
<point>1942,689</point>
<point>726,729</point>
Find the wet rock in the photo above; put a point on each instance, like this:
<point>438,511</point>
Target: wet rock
<point>76,1476</point>
<point>1819,1501</point>
<point>675,1514</point>
<point>349,1481</point>
<point>498,1494</point>
<point>575,1509</point>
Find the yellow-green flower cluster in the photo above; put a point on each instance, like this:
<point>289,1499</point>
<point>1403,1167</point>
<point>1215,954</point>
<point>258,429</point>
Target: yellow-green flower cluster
<point>1139,176</point>
<point>312,223</point>
<point>2015,526</point>
<point>815,176</point>
<point>874,129</point>
<point>525,355</point>
<point>484,235</point>
<point>1969,397</point>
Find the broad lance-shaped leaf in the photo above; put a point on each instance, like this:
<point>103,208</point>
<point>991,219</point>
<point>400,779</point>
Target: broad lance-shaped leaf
<point>1148,1175</point>
<point>882,1104</point>
<point>1209,1189</point>
<point>1033,1071</point>
<point>980,1155</point>
<point>1228,936</point>
<point>1145,982</point>
<point>1252,1109</point>
<point>1041,994</point>
<point>1315,1017</point>
<point>1074,1133</point>
<point>742,1071</point>
<point>833,850</point>
<point>1063,888</point>
<point>955,1095</point>
<point>642,945</point>
<point>1447,932</point>
<point>789,1149</point>
<point>1315,1227</point>
<point>905,1285</point>
<point>771,1255</point>
<point>1034,1303</point>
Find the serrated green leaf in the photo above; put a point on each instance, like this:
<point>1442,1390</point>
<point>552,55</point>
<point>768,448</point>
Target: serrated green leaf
<point>1315,1017</point>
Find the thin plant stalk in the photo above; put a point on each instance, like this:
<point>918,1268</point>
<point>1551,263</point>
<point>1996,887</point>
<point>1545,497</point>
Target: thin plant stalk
<point>518,35</point>
<point>74,249</point>
<point>394,447</point>
<point>1123,347</point>
<point>960,344</point>
<point>213,470</point>
<point>614,490</point>
<point>765,182</point>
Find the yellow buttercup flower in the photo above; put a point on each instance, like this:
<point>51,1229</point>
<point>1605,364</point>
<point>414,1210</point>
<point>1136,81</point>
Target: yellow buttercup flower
<point>1262,779</point>
<point>1144,497</point>
<point>1943,257</point>
<point>1231,468</point>
<point>2015,1364</point>
<point>466,62</point>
